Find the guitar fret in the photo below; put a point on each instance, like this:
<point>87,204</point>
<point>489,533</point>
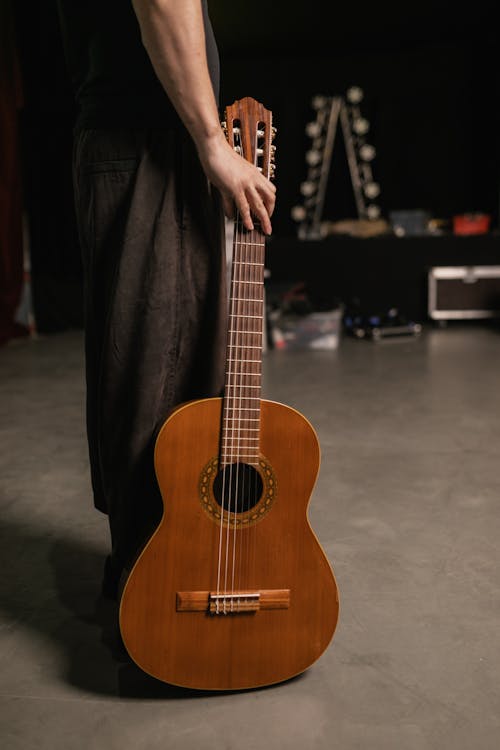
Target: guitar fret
<point>245,346</point>
<point>242,315</point>
<point>249,244</point>
<point>253,333</point>
<point>230,385</point>
<point>254,361</point>
<point>236,408</point>
<point>245,281</point>
<point>238,443</point>
<point>251,429</point>
<point>248,408</point>
<point>247,263</point>
<point>243,419</point>
<point>242,373</point>
<point>245,299</point>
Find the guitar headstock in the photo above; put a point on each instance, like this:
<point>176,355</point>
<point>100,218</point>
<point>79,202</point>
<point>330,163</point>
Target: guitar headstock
<point>249,129</point>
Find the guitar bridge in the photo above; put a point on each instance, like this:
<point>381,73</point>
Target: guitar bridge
<point>229,604</point>
<point>236,602</point>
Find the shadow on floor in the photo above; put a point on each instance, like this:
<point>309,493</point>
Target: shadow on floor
<point>52,585</point>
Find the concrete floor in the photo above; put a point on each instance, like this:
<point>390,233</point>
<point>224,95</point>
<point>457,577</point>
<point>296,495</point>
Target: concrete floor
<point>406,507</point>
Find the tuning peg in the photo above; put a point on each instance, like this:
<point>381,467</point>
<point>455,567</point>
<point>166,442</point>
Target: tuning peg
<point>273,131</point>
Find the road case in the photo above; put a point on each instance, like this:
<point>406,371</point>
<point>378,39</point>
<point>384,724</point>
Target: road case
<point>463,292</point>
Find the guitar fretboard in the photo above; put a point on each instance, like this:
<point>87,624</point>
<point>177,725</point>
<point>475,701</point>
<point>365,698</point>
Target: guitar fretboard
<point>243,381</point>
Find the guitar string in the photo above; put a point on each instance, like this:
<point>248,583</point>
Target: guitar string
<point>250,249</point>
<point>242,313</point>
<point>234,439</point>
<point>250,270</point>
<point>257,258</point>
<point>255,325</point>
<point>251,273</point>
<point>237,318</point>
<point>226,412</point>
<point>239,250</point>
<point>237,389</point>
<point>229,443</point>
<point>236,396</point>
<point>258,261</point>
<point>247,273</point>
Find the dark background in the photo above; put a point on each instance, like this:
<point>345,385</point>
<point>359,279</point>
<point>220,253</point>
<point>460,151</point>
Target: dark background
<point>430,76</point>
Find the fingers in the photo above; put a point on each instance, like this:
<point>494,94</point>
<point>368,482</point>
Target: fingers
<point>261,208</point>
<point>257,202</point>
<point>242,186</point>
<point>245,213</point>
<point>251,206</point>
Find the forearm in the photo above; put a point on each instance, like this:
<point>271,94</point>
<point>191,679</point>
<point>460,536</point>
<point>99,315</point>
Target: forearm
<point>173,34</point>
<point>174,37</point>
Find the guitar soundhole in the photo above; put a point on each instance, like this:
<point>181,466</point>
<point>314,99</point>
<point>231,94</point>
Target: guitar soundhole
<point>238,496</point>
<point>238,488</point>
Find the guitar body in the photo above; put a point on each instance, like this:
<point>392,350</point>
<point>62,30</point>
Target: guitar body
<point>286,608</point>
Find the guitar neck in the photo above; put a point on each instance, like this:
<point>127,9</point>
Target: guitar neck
<point>249,130</point>
<point>243,382</point>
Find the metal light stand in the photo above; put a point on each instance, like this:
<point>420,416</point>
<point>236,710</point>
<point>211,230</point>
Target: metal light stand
<point>322,131</point>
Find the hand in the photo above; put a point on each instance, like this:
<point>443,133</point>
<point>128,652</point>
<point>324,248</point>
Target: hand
<point>240,183</point>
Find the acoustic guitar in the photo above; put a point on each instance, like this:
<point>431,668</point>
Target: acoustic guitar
<point>233,589</point>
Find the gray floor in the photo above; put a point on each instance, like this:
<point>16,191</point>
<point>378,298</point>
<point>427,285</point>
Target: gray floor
<point>406,507</point>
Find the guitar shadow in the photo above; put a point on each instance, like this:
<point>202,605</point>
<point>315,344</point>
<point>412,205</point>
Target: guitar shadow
<point>51,588</point>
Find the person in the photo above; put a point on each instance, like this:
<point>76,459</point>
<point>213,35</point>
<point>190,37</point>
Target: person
<point>153,179</point>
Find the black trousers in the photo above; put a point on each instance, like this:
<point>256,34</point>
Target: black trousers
<point>152,239</point>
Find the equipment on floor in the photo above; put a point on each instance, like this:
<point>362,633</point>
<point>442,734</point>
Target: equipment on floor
<point>463,292</point>
<point>388,324</point>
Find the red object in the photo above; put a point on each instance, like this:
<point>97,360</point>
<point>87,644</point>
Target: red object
<point>471,223</point>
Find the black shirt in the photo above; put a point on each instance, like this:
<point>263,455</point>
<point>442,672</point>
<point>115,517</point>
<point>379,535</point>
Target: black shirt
<point>112,76</point>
